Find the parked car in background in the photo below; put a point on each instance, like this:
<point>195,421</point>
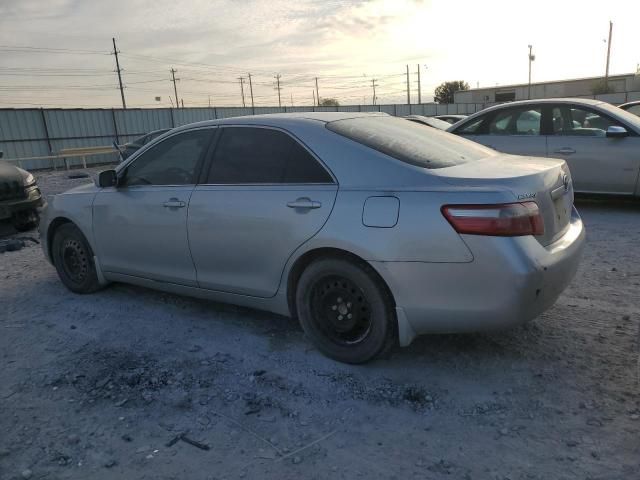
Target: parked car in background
<point>429,121</point>
<point>367,228</point>
<point>600,142</point>
<point>20,197</point>
<point>129,148</point>
<point>451,119</point>
<point>631,107</point>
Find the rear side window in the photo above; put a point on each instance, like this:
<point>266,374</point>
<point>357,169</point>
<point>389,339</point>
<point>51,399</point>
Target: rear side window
<point>410,142</point>
<point>247,155</point>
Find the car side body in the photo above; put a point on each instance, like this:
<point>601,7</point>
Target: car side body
<point>249,244</point>
<point>600,142</point>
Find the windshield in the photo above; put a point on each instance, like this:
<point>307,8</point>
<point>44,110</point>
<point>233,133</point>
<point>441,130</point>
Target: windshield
<point>410,142</point>
<point>627,117</point>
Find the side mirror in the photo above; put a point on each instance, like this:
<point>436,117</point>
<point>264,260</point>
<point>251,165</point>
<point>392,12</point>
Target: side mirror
<point>617,132</point>
<point>107,178</point>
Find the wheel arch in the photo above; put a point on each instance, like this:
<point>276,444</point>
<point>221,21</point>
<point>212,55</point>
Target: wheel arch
<point>302,262</point>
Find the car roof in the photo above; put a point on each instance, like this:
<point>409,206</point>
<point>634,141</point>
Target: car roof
<point>282,119</point>
<point>629,104</point>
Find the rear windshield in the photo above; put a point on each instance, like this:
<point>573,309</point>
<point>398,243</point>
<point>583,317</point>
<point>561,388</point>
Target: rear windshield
<point>410,142</point>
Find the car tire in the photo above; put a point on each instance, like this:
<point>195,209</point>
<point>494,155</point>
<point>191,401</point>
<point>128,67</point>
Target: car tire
<point>73,258</point>
<point>25,221</point>
<point>345,309</point>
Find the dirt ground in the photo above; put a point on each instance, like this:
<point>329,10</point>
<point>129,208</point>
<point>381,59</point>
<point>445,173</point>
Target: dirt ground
<point>136,384</point>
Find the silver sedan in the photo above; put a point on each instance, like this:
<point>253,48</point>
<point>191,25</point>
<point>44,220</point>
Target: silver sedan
<point>367,228</point>
<point>600,142</point>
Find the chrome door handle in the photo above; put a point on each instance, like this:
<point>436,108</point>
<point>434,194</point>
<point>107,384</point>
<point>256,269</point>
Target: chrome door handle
<point>304,203</point>
<point>174,203</point>
<point>565,151</point>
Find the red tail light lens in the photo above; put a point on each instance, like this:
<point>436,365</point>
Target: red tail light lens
<point>501,220</point>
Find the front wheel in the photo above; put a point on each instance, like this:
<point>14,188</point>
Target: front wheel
<point>25,220</point>
<point>73,259</point>
<point>345,309</point>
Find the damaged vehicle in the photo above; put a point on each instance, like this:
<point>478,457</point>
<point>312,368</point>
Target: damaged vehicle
<point>20,197</point>
<point>367,228</point>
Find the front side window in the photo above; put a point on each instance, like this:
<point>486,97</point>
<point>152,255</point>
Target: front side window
<point>248,155</point>
<point>516,122</point>
<point>572,121</point>
<point>173,161</point>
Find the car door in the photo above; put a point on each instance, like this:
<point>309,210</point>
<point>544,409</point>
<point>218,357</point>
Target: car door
<point>140,226</point>
<point>264,195</point>
<point>510,130</point>
<point>598,164</point>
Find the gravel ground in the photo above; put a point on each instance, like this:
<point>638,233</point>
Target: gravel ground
<point>132,383</point>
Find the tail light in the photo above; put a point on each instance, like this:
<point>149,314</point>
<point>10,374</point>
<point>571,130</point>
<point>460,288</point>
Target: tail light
<point>501,220</point>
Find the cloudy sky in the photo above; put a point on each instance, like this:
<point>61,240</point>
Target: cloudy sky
<point>56,52</point>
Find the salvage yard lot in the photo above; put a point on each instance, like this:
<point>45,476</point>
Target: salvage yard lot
<point>132,383</point>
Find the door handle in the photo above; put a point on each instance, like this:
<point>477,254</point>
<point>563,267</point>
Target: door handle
<point>306,203</point>
<point>565,151</point>
<point>174,203</point>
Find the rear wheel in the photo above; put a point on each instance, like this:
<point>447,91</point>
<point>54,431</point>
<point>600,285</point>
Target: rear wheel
<point>345,310</point>
<point>73,259</point>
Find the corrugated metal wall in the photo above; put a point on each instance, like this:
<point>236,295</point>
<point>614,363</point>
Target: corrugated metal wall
<point>42,132</point>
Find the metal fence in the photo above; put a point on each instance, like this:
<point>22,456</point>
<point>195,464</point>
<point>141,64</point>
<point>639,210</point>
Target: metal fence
<point>36,132</point>
<point>39,132</point>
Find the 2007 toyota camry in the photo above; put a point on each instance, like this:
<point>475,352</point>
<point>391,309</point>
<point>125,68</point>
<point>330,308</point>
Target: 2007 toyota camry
<point>369,229</point>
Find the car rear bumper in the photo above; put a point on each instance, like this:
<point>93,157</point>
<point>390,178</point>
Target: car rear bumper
<point>510,281</point>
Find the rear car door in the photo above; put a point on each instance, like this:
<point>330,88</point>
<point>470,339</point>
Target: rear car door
<point>510,130</point>
<point>263,196</point>
<point>598,164</point>
<point>140,226</point>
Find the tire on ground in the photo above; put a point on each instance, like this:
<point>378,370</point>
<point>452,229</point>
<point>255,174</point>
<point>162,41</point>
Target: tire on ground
<point>73,258</point>
<point>381,330</point>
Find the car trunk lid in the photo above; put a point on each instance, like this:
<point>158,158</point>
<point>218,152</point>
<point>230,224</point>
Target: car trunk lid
<point>542,180</point>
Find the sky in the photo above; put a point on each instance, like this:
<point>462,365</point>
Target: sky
<point>57,52</point>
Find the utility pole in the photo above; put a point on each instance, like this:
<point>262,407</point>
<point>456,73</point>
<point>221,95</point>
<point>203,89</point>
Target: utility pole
<point>419,87</point>
<point>606,75</point>
<point>118,69</point>
<point>182,102</point>
<point>209,101</point>
<point>373,86</point>
<point>242,89</point>
<point>317,92</point>
<point>292,99</point>
<point>408,91</point>
<point>532,57</point>
<point>175,89</point>
<point>251,91</point>
<point>277,77</point>
<point>314,97</point>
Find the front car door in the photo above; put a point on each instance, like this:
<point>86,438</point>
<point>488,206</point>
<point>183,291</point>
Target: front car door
<point>514,130</point>
<point>598,164</point>
<point>140,226</point>
<point>264,195</point>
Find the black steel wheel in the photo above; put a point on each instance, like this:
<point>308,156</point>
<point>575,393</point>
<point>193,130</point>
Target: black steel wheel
<point>73,259</point>
<point>345,309</point>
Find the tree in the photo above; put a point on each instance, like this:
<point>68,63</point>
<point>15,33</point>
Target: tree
<point>444,92</point>
<point>329,102</point>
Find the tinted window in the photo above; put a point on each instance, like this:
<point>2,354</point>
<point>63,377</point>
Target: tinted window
<point>410,142</point>
<point>261,155</point>
<point>471,127</point>
<point>573,121</point>
<point>171,162</point>
<point>516,122</point>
